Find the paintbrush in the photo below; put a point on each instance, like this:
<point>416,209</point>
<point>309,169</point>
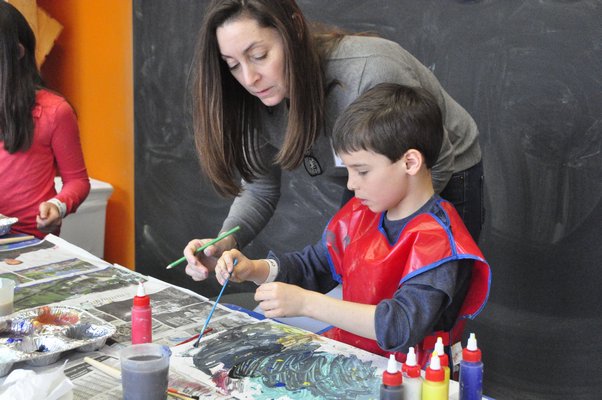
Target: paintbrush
<point>107,369</point>
<point>190,339</point>
<point>203,247</point>
<point>196,344</point>
<point>179,395</point>
<point>16,239</point>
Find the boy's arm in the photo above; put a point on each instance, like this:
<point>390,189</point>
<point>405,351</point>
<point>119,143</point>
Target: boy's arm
<point>428,302</point>
<point>356,318</point>
<point>279,299</point>
<point>308,268</point>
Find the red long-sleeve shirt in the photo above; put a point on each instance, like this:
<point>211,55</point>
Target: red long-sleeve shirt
<point>27,178</point>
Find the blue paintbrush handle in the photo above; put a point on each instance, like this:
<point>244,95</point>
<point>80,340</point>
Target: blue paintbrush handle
<point>219,296</point>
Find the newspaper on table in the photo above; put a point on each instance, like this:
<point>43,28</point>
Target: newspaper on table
<point>241,358</point>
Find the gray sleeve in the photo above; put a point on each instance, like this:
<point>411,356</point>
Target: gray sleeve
<point>443,169</point>
<point>254,207</point>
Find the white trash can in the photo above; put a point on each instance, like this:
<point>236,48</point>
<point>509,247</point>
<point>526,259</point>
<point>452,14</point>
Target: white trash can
<point>86,227</point>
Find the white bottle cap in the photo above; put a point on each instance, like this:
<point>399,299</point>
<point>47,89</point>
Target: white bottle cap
<point>392,365</point>
<point>411,358</point>
<point>140,292</point>
<point>439,345</point>
<point>472,343</point>
<point>435,362</point>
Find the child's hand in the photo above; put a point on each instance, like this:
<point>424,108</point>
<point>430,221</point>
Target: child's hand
<point>279,299</point>
<point>243,270</point>
<point>49,218</point>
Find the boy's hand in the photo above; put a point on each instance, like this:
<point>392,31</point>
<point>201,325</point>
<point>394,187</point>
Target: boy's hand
<point>201,263</point>
<point>279,299</point>
<point>245,270</point>
<point>225,265</point>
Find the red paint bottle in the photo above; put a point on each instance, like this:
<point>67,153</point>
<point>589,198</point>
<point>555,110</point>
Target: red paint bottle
<point>142,323</point>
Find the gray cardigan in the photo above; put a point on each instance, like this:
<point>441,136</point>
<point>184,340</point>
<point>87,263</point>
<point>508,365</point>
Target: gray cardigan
<point>357,64</point>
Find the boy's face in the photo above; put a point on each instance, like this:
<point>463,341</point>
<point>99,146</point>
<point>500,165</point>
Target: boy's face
<point>377,182</point>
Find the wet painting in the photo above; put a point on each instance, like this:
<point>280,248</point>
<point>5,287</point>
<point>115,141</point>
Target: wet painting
<point>270,360</point>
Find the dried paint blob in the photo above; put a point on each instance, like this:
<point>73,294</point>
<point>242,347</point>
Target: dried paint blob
<point>12,261</point>
<point>56,316</point>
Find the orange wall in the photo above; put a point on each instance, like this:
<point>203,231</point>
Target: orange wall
<point>91,64</point>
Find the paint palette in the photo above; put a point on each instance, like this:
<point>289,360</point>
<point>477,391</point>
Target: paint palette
<point>6,223</point>
<point>39,336</point>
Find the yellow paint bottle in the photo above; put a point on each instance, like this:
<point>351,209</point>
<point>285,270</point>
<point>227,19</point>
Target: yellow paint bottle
<point>443,360</point>
<point>434,387</point>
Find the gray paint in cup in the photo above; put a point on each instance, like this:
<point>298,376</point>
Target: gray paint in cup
<point>144,371</point>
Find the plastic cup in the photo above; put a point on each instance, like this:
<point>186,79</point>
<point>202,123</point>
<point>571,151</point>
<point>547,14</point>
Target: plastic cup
<point>144,371</point>
<point>7,294</point>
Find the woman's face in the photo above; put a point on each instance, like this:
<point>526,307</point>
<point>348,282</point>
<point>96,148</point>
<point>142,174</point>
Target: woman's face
<point>255,56</point>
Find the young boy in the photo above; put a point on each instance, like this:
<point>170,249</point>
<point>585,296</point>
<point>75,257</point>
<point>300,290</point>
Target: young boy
<point>409,269</point>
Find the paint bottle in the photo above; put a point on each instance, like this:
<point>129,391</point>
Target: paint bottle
<point>434,387</point>
<point>142,325</point>
<point>471,371</point>
<point>392,386</point>
<point>412,381</point>
<point>443,360</point>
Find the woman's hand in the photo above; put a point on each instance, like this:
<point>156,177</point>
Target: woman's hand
<point>200,264</point>
<point>279,299</point>
<point>49,218</point>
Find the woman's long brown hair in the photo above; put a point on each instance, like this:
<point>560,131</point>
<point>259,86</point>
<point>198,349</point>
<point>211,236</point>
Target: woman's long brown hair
<point>225,116</point>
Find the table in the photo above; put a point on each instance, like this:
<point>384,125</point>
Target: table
<point>243,357</point>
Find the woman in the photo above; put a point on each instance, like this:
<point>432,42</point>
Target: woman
<point>266,95</point>
<point>38,136</point>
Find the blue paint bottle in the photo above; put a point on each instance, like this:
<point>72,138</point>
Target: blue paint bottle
<point>471,371</point>
<point>392,386</point>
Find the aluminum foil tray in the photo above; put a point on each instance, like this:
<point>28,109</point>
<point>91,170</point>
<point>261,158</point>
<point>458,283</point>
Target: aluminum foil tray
<point>6,223</point>
<point>39,336</point>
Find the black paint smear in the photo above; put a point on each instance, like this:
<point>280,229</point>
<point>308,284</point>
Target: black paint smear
<point>286,358</point>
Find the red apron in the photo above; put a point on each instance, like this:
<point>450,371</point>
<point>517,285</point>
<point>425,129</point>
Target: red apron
<point>371,269</point>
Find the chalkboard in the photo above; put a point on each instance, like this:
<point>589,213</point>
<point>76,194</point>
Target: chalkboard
<point>530,74</point>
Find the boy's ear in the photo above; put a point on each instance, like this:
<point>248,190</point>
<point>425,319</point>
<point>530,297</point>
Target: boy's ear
<point>413,161</point>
